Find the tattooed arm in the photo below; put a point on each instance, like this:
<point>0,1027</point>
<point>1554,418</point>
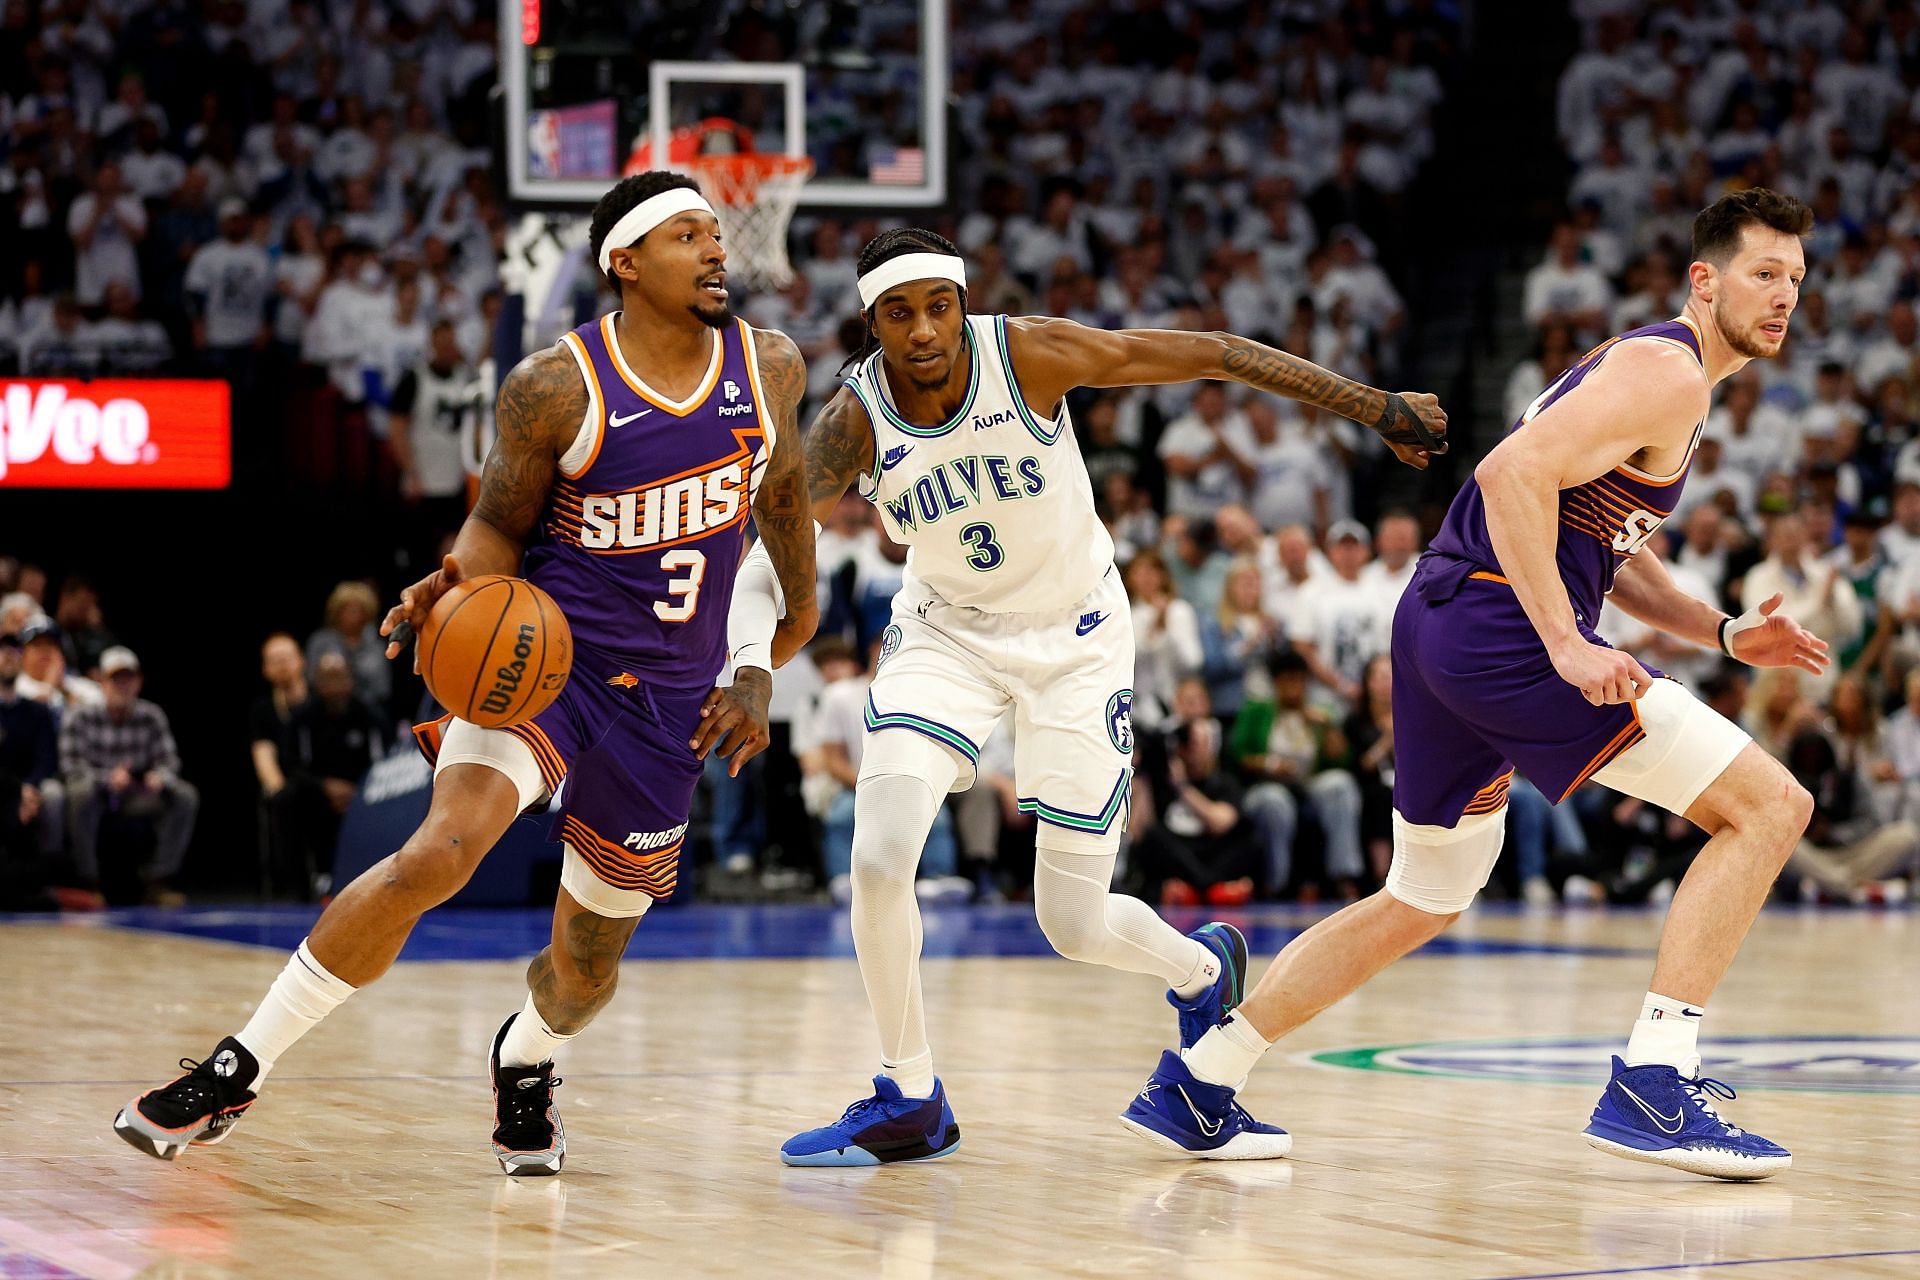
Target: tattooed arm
<point>781,511</point>
<point>1053,357</point>
<point>839,452</point>
<point>542,403</point>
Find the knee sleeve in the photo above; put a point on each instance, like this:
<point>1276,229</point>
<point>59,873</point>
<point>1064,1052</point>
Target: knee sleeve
<point>1439,870</point>
<point>906,753</point>
<point>596,895</point>
<point>892,815</point>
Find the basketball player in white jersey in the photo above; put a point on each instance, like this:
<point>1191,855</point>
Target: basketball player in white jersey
<point>955,427</point>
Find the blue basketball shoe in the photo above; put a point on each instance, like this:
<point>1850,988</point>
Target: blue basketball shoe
<point>1193,1118</point>
<point>1654,1113</point>
<point>888,1128</point>
<point>1210,1007</point>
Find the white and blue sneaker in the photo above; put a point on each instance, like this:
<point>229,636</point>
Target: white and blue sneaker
<point>1190,1117</point>
<point>1211,1007</point>
<point>1653,1113</point>
<point>888,1128</point>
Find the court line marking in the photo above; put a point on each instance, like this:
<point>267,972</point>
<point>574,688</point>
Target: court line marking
<point>1694,1266</point>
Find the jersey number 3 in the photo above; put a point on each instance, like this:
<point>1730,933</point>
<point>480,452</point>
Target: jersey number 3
<point>687,588</point>
<point>986,552</point>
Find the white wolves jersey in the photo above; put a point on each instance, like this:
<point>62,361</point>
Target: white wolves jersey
<point>994,504</point>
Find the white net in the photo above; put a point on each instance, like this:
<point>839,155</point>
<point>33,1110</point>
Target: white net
<point>755,195</point>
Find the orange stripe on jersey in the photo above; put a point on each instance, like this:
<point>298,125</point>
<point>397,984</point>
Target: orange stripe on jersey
<point>552,768</point>
<point>1484,576</point>
<point>430,735</point>
<point>752,350</point>
<point>654,872</point>
<point>1638,504</point>
<point>1575,522</point>
<point>1491,796</point>
<point>1628,736</point>
<point>598,402</point>
<point>1605,499</point>
<point>1640,477</point>
<point>618,360</point>
<point>740,519</point>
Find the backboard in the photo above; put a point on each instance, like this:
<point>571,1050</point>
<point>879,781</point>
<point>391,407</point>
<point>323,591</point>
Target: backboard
<point>596,88</point>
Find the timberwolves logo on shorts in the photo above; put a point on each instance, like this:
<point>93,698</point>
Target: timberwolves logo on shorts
<point>889,644</point>
<point>1120,721</point>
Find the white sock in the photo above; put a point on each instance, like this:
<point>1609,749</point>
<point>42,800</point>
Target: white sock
<point>914,1076</point>
<point>1668,1031</point>
<point>303,994</point>
<point>1226,1053</point>
<point>1205,972</point>
<point>530,1041</point>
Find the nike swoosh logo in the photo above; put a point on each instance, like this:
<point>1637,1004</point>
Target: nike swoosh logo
<point>1210,1130</point>
<point>1088,624</point>
<point>621,420</point>
<point>1667,1124</point>
<point>894,457</point>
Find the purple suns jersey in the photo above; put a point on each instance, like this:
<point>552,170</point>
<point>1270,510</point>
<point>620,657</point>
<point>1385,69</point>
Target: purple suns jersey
<point>1602,522</point>
<point>643,533</point>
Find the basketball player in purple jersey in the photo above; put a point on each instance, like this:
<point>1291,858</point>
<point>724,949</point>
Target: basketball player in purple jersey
<point>628,458</point>
<point>1496,666</point>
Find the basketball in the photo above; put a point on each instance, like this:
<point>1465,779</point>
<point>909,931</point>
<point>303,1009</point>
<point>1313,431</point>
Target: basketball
<point>496,651</point>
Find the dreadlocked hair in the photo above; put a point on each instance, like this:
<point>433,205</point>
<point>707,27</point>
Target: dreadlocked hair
<point>885,247</point>
<point>615,205</point>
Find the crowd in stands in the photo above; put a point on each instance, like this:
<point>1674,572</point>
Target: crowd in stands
<point>294,195</point>
<point>1807,479</point>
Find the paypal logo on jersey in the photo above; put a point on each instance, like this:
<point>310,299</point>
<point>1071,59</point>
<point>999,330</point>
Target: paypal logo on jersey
<point>895,456</point>
<point>959,483</point>
<point>985,421</point>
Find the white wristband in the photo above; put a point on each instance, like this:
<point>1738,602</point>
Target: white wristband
<point>758,605</point>
<point>1731,627</point>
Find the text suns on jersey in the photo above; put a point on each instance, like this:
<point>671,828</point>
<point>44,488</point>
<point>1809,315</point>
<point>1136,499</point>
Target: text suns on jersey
<point>683,507</point>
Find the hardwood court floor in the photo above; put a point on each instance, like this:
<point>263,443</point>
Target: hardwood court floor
<point>367,1155</point>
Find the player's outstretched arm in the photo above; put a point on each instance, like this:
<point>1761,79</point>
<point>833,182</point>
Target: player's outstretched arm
<point>1054,356</point>
<point>1644,395</point>
<point>1760,637</point>
<point>542,403</point>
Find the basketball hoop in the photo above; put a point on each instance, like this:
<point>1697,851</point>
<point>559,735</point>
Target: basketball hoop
<point>755,195</point>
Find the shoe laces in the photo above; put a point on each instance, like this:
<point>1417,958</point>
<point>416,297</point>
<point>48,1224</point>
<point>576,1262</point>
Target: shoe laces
<point>525,1104</point>
<point>1700,1086</point>
<point>860,1109</point>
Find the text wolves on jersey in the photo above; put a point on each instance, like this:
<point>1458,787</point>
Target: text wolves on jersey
<point>956,484</point>
<point>667,511</point>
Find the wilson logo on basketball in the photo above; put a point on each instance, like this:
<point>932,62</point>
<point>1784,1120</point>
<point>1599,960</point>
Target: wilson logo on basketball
<point>507,678</point>
<point>686,506</point>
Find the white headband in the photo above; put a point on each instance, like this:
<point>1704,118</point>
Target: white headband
<point>910,266</point>
<point>647,215</point>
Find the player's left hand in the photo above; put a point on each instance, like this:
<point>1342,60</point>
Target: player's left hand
<point>733,720</point>
<point>1403,436</point>
<point>1779,641</point>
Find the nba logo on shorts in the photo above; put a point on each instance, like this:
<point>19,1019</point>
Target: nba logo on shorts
<point>889,643</point>
<point>1120,721</point>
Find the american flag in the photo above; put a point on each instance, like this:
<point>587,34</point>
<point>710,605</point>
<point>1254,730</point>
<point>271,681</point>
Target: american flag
<point>900,166</point>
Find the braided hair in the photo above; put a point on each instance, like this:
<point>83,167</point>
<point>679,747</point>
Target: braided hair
<point>885,247</point>
<point>623,197</point>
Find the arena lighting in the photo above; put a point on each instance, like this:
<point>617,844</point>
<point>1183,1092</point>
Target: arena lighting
<point>529,22</point>
<point>115,433</point>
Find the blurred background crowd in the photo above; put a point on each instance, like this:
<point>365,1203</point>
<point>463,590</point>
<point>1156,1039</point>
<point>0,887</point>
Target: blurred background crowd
<point>301,198</point>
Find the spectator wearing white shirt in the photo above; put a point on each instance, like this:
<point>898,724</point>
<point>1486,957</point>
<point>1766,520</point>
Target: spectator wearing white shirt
<point>1901,740</point>
<point>151,172</point>
<point>1209,455</point>
<point>228,285</point>
<point>1167,645</point>
<point>1815,594</point>
<point>1290,566</point>
<point>127,341</point>
<point>1343,622</point>
<point>1565,290</point>
<point>61,344</point>
<point>1396,545</point>
<point>1900,540</point>
<point>1892,355</point>
<point>1292,483</point>
<point>1553,355</point>
<point>1615,184</point>
<point>106,224</point>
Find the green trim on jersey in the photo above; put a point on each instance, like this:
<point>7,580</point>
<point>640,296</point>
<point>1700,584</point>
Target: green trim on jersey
<point>1013,386</point>
<point>874,372</point>
<point>877,719</point>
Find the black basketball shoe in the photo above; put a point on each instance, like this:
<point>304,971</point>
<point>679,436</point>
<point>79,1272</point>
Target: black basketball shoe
<point>200,1108</point>
<point>527,1137</point>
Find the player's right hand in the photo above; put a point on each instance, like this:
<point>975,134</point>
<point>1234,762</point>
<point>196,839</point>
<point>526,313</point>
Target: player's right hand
<point>416,602</point>
<point>1406,442</point>
<point>733,720</point>
<point>1603,675</point>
